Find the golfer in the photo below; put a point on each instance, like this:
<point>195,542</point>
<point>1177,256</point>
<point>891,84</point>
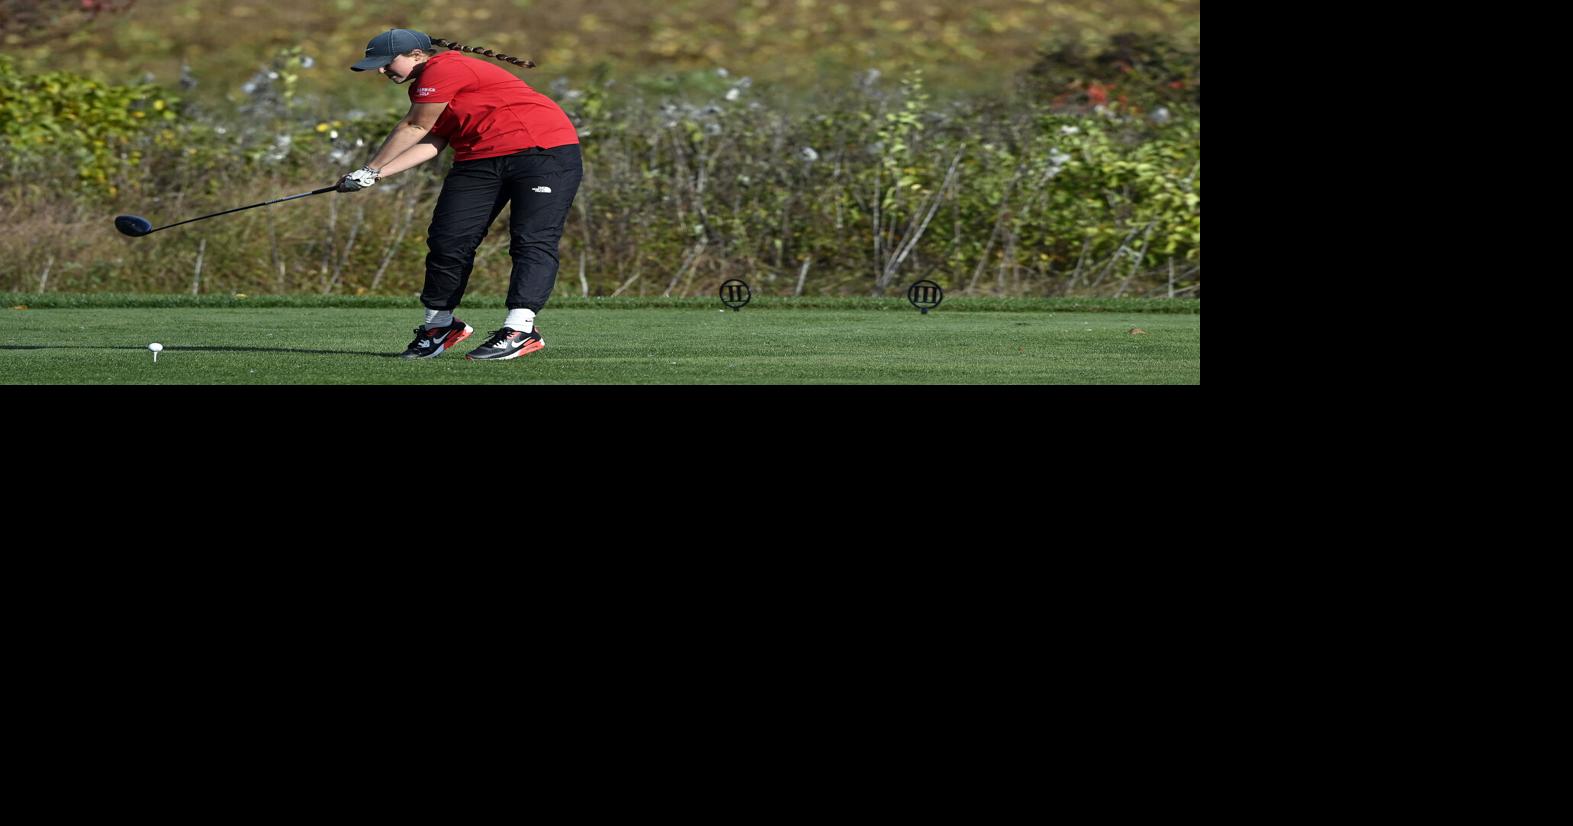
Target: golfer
<point>511,146</point>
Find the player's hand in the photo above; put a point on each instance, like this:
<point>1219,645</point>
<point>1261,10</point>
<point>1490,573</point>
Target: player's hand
<point>359,179</point>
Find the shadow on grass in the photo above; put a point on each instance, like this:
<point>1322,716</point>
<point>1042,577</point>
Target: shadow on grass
<point>168,350</point>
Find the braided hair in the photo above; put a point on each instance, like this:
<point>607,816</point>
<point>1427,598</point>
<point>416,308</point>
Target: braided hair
<point>517,61</point>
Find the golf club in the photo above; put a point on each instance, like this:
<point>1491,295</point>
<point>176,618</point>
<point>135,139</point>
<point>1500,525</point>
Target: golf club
<point>137,226</point>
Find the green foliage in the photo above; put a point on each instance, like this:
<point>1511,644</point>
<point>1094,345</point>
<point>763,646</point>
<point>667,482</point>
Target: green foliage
<point>869,186</point>
<point>94,127</point>
<point>898,133</point>
<point>1123,187</point>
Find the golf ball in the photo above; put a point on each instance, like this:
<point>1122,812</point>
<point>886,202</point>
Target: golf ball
<point>155,347</point>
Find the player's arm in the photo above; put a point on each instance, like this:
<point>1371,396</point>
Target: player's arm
<point>411,130</point>
<point>429,147</point>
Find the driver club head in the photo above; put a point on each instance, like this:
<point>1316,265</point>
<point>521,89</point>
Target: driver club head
<point>132,225</point>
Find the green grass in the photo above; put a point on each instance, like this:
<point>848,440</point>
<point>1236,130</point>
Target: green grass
<point>62,301</point>
<point>588,345</point>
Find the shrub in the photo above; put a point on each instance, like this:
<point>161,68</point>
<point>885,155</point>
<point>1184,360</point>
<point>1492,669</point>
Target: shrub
<point>873,186</point>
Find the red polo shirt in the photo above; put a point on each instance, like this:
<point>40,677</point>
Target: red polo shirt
<point>490,111</point>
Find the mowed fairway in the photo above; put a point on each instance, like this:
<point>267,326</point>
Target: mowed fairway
<point>602,346</point>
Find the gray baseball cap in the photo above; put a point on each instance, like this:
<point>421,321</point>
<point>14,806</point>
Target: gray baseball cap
<point>390,44</point>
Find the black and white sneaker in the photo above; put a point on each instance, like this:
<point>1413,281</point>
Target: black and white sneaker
<point>508,343</point>
<point>436,341</point>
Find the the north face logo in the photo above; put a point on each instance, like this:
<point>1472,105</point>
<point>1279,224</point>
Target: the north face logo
<point>543,189</point>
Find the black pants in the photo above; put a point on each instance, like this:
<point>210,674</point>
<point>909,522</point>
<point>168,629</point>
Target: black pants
<point>541,184</point>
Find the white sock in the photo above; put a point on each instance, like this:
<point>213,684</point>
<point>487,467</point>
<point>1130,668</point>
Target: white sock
<point>521,320</point>
<point>438,318</point>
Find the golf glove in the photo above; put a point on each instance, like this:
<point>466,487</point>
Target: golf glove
<point>359,179</point>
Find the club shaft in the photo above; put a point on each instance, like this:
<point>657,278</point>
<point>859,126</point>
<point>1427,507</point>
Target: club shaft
<point>253,206</point>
